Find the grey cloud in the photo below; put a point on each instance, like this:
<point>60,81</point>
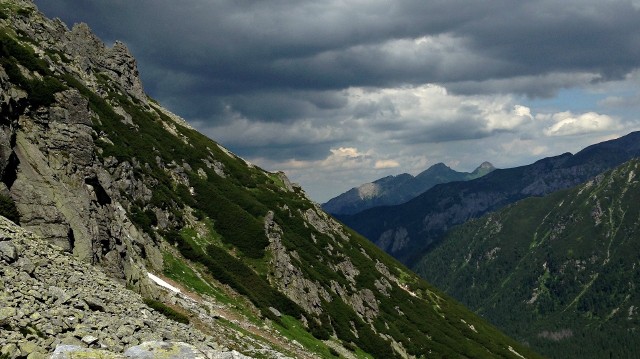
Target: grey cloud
<point>543,86</point>
<point>282,67</point>
<point>241,46</point>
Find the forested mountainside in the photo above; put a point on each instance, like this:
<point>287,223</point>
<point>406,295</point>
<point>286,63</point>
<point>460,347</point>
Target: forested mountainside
<point>407,230</point>
<point>566,265</point>
<point>398,189</point>
<point>92,165</point>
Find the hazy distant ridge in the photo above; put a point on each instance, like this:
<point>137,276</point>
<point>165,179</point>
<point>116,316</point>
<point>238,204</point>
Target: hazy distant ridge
<point>392,190</point>
<point>407,229</point>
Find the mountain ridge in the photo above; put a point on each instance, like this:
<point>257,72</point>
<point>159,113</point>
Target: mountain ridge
<point>408,229</point>
<point>392,190</point>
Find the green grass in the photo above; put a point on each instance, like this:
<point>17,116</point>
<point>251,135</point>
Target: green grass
<point>292,328</point>
<point>580,271</point>
<point>166,311</point>
<point>176,269</point>
<point>41,91</point>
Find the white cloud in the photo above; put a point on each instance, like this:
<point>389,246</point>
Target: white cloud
<point>430,113</point>
<point>567,123</point>
<point>342,158</point>
<point>381,164</point>
<point>346,152</point>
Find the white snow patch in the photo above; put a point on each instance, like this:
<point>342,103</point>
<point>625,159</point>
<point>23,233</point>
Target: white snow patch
<point>515,352</point>
<point>471,326</point>
<point>162,283</point>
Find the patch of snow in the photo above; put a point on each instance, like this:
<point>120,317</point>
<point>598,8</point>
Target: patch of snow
<point>471,326</point>
<point>515,352</point>
<point>162,283</point>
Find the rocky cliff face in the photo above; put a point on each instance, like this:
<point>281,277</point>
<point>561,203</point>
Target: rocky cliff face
<point>107,175</point>
<point>52,170</point>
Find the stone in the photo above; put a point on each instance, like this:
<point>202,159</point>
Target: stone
<point>77,352</point>
<point>164,350</point>
<point>8,252</point>
<point>37,355</point>
<point>89,339</point>
<point>10,350</point>
<point>230,355</point>
<point>28,347</point>
<point>275,312</point>
<point>26,265</point>
<point>6,313</point>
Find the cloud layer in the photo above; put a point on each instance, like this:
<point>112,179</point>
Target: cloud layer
<point>291,84</point>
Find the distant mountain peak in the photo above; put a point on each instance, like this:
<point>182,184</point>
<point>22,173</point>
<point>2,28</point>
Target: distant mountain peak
<point>484,168</point>
<point>398,189</point>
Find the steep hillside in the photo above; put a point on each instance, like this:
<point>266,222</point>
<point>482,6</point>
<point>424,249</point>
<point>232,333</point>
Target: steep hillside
<point>407,230</point>
<point>398,189</point>
<point>567,266</point>
<point>91,164</point>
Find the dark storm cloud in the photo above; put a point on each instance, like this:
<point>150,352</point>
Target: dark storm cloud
<point>273,78</point>
<point>249,45</point>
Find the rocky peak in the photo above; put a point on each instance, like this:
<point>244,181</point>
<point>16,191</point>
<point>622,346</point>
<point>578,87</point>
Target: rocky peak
<point>484,168</point>
<point>486,164</point>
<point>116,62</point>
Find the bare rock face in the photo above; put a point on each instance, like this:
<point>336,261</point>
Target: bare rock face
<point>306,293</point>
<point>65,194</point>
<point>289,279</point>
<point>117,62</point>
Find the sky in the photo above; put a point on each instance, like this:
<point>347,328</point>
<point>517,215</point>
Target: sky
<point>338,93</point>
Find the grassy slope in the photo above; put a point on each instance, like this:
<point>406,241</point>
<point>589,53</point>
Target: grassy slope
<point>566,265</point>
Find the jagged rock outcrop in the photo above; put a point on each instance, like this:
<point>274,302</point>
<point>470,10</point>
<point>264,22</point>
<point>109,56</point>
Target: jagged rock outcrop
<point>288,278</point>
<point>64,193</point>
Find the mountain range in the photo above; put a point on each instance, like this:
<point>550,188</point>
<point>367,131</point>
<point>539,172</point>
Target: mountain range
<point>407,230</point>
<point>392,190</point>
<point>565,265</point>
<point>127,215</point>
